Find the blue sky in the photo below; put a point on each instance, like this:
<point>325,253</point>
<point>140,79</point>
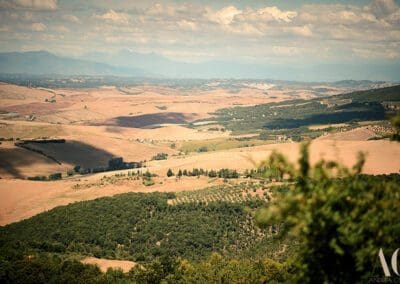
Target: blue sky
<point>286,33</point>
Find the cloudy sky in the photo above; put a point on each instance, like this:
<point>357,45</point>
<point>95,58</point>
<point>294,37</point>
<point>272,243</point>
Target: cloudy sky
<point>282,32</point>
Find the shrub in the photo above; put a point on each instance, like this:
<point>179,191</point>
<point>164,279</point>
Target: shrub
<point>202,149</point>
<point>42,178</point>
<point>116,163</point>
<point>170,173</point>
<point>160,156</point>
<point>55,176</point>
<point>148,181</point>
<point>340,217</point>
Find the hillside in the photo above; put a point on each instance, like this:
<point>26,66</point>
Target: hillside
<point>138,227</point>
<point>367,105</point>
<point>195,239</point>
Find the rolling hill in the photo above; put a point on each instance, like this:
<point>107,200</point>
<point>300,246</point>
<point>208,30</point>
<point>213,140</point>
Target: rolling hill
<point>372,104</point>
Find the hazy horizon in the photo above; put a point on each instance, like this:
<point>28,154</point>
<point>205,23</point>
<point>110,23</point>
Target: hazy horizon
<point>287,40</point>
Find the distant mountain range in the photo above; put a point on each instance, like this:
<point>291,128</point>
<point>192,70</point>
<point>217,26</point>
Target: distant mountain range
<point>134,64</point>
<point>45,63</point>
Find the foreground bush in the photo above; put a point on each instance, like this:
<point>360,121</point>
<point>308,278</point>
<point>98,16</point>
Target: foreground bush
<point>340,217</point>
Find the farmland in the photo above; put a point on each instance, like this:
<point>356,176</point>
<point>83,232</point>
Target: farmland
<point>89,120</point>
<point>133,176</point>
<point>197,142</point>
<point>353,107</point>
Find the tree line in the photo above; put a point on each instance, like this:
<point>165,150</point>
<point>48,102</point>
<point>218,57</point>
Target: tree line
<point>196,172</point>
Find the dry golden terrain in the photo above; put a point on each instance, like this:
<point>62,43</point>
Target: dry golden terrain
<point>136,123</point>
<point>105,264</point>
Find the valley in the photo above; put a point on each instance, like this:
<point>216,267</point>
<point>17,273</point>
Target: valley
<point>189,150</point>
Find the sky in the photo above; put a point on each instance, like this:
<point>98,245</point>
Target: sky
<point>287,33</point>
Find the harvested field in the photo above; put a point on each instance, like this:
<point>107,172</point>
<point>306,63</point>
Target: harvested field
<point>105,264</point>
<point>11,129</point>
<point>16,162</point>
<point>382,156</point>
<point>105,122</point>
<point>21,199</point>
<point>73,153</point>
<point>358,134</point>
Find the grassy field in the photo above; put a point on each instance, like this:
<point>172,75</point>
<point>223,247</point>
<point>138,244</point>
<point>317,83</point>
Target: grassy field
<point>21,131</point>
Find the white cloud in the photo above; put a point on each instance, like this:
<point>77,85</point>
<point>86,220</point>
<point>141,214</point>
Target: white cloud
<point>304,31</point>
<point>71,18</point>
<point>252,30</point>
<point>224,16</point>
<point>335,14</point>
<point>245,29</point>
<point>38,27</point>
<point>187,25</point>
<point>35,4</point>
<point>250,22</point>
<point>62,29</point>
<point>161,10</point>
<point>115,17</point>
<point>273,13</point>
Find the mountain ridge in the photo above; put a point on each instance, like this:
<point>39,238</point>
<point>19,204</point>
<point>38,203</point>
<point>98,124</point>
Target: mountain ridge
<point>135,64</point>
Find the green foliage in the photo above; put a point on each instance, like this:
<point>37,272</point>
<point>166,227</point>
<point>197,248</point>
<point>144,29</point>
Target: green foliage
<point>219,144</point>
<point>41,178</point>
<point>115,163</point>
<point>218,269</point>
<point>396,125</point>
<point>48,269</point>
<point>148,181</point>
<point>160,156</point>
<point>139,227</point>
<point>170,173</point>
<point>162,107</point>
<point>215,269</point>
<point>357,106</point>
<point>55,176</point>
<point>222,173</point>
<point>227,173</point>
<point>212,174</point>
<point>226,193</point>
<point>202,149</point>
<point>340,218</point>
